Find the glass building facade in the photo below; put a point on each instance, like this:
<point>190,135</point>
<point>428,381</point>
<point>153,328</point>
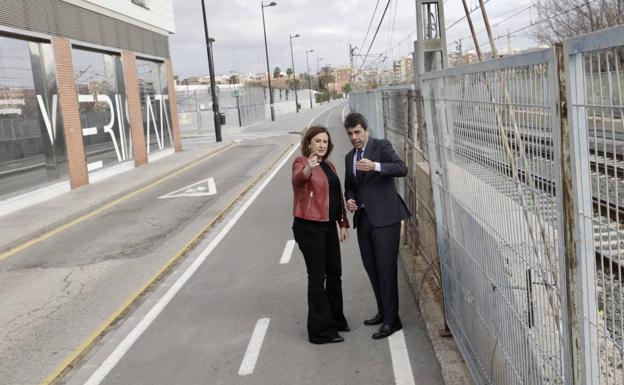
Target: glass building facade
<point>154,94</point>
<point>32,144</point>
<point>103,108</point>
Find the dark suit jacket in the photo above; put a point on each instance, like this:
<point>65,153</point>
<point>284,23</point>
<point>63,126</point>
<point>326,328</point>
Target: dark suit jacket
<point>376,190</point>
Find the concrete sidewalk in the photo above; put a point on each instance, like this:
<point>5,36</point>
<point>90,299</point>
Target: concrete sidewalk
<point>25,224</point>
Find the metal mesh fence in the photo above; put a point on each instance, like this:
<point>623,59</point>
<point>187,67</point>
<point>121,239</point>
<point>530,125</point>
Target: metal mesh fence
<point>596,95</point>
<point>495,157</point>
<point>241,105</point>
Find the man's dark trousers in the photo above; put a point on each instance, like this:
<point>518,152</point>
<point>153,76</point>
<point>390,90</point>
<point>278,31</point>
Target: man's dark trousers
<point>379,247</point>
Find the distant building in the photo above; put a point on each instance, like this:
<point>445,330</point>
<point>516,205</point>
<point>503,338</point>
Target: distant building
<point>342,77</point>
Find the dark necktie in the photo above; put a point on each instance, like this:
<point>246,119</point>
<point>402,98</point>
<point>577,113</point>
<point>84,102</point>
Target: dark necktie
<point>358,157</point>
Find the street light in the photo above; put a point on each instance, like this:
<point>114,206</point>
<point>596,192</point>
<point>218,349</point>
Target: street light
<point>318,71</point>
<point>266,50</point>
<point>292,60</point>
<point>309,85</point>
<point>215,102</point>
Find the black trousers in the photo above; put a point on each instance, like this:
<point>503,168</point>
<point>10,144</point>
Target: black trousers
<point>320,246</point>
<point>379,248</point>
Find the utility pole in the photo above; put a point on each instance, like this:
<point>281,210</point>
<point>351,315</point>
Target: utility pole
<point>472,31</point>
<point>351,49</point>
<point>215,102</point>
<point>488,28</point>
<point>430,54</point>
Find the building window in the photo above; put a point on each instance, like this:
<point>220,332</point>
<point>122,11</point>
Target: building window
<point>32,145</point>
<point>142,3</point>
<point>103,110</point>
<point>156,111</point>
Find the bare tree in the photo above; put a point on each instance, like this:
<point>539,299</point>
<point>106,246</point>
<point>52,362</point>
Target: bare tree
<point>561,19</point>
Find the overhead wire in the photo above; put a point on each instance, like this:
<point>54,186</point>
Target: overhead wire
<point>375,36</point>
<point>370,24</point>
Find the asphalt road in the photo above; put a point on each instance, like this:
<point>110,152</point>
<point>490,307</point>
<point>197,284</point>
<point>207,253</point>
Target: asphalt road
<point>197,326</point>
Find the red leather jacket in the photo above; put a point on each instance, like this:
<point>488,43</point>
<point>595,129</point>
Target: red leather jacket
<point>311,195</point>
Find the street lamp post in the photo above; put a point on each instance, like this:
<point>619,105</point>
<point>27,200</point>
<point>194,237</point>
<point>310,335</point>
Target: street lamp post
<point>292,60</point>
<point>266,50</point>
<point>308,67</point>
<point>318,71</point>
<point>215,102</point>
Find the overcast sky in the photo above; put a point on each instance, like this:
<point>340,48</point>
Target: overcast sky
<point>326,26</point>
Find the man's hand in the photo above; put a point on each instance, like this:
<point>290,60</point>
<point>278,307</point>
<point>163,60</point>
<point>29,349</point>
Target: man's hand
<point>351,205</point>
<point>365,165</point>
<point>344,234</point>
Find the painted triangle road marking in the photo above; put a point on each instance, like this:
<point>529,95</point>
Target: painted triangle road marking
<point>202,188</point>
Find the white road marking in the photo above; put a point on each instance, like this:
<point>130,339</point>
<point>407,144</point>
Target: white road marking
<point>113,359</point>
<point>344,109</point>
<point>253,349</point>
<point>288,249</point>
<point>401,365</point>
<point>202,188</point>
<point>329,117</point>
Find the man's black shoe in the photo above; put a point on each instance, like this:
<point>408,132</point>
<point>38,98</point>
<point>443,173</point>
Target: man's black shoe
<point>345,328</point>
<point>376,320</point>
<point>387,331</point>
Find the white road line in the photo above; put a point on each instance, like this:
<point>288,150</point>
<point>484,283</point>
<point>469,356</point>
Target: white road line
<point>113,359</point>
<point>288,249</point>
<point>400,359</point>
<point>329,116</point>
<point>344,109</point>
<point>253,349</point>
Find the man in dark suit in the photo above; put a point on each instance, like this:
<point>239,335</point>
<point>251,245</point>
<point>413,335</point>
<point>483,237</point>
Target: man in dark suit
<point>370,169</point>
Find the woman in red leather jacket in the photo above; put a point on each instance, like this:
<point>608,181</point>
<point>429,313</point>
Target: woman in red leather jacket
<point>318,209</point>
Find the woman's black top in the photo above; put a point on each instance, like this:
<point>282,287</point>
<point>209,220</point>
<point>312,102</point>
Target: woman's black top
<point>334,192</point>
<point>334,203</point>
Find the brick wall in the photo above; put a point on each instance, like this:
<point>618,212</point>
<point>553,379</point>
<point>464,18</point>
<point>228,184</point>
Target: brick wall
<point>70,112</point>
<point>139,148</point>
<point>173,106</point>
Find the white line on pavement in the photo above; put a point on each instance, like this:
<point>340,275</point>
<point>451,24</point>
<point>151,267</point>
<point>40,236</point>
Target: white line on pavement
<point>253,349</point>
<point>288,249</point>
<point>344,109</point>
<point>329,117</point>
<point>400,359</point>
<point>113,359</point>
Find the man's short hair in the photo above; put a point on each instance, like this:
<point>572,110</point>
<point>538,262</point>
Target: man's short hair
<point>355,118</point>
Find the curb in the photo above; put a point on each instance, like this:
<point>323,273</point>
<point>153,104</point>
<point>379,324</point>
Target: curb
<point>452,366</point>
